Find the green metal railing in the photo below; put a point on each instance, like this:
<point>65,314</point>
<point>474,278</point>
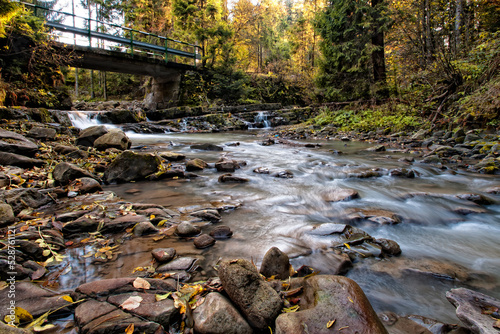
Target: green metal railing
<point>133,40</point>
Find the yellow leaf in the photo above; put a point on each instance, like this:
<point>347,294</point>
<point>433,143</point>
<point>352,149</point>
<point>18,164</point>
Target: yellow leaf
<point>46,252</point>
<point>162,297</point>
<point>44,328</point>
<point>330,323</point>
<point>20,315</point>
<point>141,283</point>
<point>89,254</point>
<point>350,299</point>
<point>162,222</point>
<point>152,217</point>
<point>291,309</point>
<point>129,329</point>
<point>347,245</point>
<point>67,298</point>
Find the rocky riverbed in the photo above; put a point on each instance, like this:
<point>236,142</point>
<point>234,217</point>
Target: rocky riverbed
<point>60,219</point>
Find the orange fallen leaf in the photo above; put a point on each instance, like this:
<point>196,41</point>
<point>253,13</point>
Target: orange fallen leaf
<point>129,329</point>
<point>330,323</point>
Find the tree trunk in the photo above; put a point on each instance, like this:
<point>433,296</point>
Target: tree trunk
<point>378,56</point>
<point>458,25</point>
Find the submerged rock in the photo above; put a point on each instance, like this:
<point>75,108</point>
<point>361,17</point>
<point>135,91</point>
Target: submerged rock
<point>207,147</point>
<point>230,178</point>
<point>186,229</point>
<point>221,232</point>
<point>203,241</point>
<point>259,303</point>
<point>339,195</point>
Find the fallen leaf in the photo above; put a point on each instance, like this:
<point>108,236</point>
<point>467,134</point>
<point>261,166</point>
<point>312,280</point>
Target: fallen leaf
<point>330,323</point>
<point>162,297</point>
<point>67,298</point>
<point>38,273</point>
<point>141,283</point>
<point>20,316</point>
<point>291,309</point>
<point>345,327</point>
<point>39,329</point>
<point>131,303</point>
<point>350,299</point>
<point>129,329</point>
<point>46,252</point>
<point>24,228</point>
<point>68,243</point>
<point>497,324</point>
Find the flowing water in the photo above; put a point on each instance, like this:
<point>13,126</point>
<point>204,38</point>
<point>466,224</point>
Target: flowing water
<point>280,212</point>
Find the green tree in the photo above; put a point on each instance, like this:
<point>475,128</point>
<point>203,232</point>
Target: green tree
<point>352,51</point>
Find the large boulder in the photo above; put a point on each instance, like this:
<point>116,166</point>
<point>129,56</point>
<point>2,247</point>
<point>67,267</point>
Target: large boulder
<point>130,166</point>
<point>259,303</point>
<point>475,310</point>
<point>88,136</point>
<point>218,316</point>
<point>275,263</point>
<point>15,143</point>
<point>113,139</point>
<point>42,133</point>
<point>12,159</point>
<point>65,172</point>
<point>328,304</point>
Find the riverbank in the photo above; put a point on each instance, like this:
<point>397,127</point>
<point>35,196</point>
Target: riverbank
<point>70,212</point>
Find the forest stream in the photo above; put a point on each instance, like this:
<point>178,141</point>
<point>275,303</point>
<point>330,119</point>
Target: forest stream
<point>446,241</point>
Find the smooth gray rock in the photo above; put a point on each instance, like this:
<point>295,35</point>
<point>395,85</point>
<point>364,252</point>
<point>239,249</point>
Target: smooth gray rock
<point>113,139</point>
<point>186,229</point>
<point>221,232</point>
<point>181,263</point>
<point>65,172</point>
<point>258,302</point>
<point>275,263</point>
<point>12,159</point>
<point>218,316</point>
<point>88,136</point>
<point>144,228</point>
<point>13,142</point>
<point>42,133</point>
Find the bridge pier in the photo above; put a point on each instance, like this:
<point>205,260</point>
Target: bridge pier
<point>164,91</point>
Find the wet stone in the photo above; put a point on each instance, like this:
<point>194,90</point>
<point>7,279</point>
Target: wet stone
<point>12,159</point>
<point>181,263</point>
<point>259,303</point>
<point>6,215</point>
<point>328,228</point>
<point>65,172</point>
<point>196,165</point>
<point>285,174</point>
<point>163,254</point>
<point>207,147</point>
<point>261,170</point>
<point>221,232</point>
<point>210,215</point>
<point>275,263</point>
<point>339,195</point>
<point>218,316</point>
<point>186,229</point>
<point>144,228</point>
<point>42,133</point>
<point>232,179</point>
<point>203,241</point>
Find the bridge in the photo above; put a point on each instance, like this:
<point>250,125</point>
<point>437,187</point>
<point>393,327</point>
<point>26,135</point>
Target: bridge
<point>104,46</point>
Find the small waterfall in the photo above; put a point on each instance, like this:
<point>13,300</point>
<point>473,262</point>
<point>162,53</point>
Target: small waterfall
<point>261,118</point>
<point>85,119</point>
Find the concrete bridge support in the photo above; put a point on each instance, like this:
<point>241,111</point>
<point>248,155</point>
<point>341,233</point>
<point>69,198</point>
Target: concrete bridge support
<point>164,91</point>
